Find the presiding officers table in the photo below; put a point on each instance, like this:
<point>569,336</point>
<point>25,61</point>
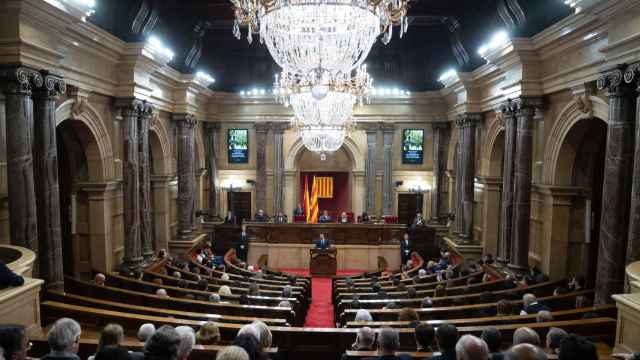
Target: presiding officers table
<point>287,246</point>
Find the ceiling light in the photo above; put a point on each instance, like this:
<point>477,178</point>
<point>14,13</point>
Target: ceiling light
<point>159,47</point>
<point>242,93</point>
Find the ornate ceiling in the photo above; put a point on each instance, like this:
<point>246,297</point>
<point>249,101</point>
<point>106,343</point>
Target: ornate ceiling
<point>442,34</point>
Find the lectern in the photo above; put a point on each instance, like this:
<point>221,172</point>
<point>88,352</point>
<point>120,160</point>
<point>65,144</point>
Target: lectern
<point>323,262</point>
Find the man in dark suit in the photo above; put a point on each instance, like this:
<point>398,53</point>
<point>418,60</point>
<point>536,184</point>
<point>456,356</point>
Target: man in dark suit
<point>323,243</point>
<point>230,218</point>
<point>298,211</point>
<point>324,218</point>
<point>243,245</point>
<point>281,218</point>
<point>388,344</point>
<point>261,216</point>
<point>531,305</point>
<point>405,248</point>
<point>447,337</point>
<point>8,278</point>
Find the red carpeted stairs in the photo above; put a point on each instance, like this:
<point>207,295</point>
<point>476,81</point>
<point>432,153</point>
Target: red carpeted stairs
<point>320,312</point>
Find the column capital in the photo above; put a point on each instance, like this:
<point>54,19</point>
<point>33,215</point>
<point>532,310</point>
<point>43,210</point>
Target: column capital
<point>129,106</point>
<point>369,127</point>
<point>20,79</point>
<point>98,190</point>
<point>388,128</point>
<point>468,119</point>
<point>148,109</point>
<point>633,73</point>
<point>211,125</point>
<point>262,127</point>
<point>440,125</point>
<point>185,120</point>
<point>280,127</point>
<point>53,86</point>
<point>614,81</point>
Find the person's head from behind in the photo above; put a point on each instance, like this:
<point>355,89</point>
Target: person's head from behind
<point>388,341</point>
<point>14,342</point>
<point>544,316</point>
<point>112,335</point>
<point>447,336</point>
<point>440,291</point>
<point>250,344</point>
<point>424,334</point>
<point>99,279</point>
<point>528,299</point>
<point>232,353</point>
<point>412,292</point>
<point>265,336</point>
<point>208,334</point>
<point>555,336</point>
<point>493,338</point>
<point>365,338</point>
<point>408,314</point>
<point>286,291</point>
<point>504,308</point>
<point>575,347</point>
<point>363,315</point>
<point>525,352</point>
<point>187,340</point>
<point>224,290</point>
<point>525,335</point>
<point>163,344</point>
<point>112,352</point>
<point>470,347</point>
<point>145,331</point>
<point>64,336</point>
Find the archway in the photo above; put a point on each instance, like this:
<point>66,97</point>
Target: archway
<point>492,195</point>
<point>160,163</point>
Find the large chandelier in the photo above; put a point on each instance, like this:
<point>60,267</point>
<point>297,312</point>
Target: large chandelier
<point>303,35</point>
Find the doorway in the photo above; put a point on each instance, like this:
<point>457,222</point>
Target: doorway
<point>239,202</point>
<point>408,206</point>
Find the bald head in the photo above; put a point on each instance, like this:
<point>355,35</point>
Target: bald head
<point>525,352</point>
<point>470,347</point>
<point>525,335</point>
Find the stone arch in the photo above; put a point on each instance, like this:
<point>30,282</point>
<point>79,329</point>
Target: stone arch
<point>492,156</point>
<point>160,147</point>
<point>98,147</point>
<point>571,114</point>
<point>350,147</point>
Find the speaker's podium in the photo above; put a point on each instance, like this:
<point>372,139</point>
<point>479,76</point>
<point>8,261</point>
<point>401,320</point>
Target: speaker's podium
<point>323,262</point>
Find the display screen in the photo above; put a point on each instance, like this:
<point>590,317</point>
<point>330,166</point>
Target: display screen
<point>412,146</point>
<point>238,142</point>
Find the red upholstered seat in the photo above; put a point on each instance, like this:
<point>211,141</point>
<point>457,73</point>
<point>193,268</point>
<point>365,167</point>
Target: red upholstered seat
<point>389,219</point>
<point>299,218</point>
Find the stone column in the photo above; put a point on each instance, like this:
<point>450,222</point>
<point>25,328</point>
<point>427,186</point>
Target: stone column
<point>261,165</point>
<point>439,158</point>
<point>388,132</point>
<point>633,247</point>
<point>616,188</point>
<point>211,144</point>
<point>131,110</point>
<point>161,211</point>
<point>467,126</point>
<point>278,166</point>
<point>146,221</point>
<point>17,83</point>
<point>45,156</point>
<point>458,200</point>
<point>523,163</point>
<point>506,215</point>
<point>186,124</point>
<point>370,169</point>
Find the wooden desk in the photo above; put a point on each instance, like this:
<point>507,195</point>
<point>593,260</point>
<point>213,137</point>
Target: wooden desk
<point>338,234</point>
<point>323,262</point>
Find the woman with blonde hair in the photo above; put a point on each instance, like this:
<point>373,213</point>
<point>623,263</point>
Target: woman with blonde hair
<point>208,334</point>
<point>224,290</point>
<point>112,335</point>
<point>232,353</point>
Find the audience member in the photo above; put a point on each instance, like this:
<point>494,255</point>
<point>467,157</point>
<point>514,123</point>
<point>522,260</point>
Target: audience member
<point>525,352</point>
<point>424,335</point>
<point>214,298</point>
<point>208,334</point>
<point>264,334</point>
<point>163,344</point>
<point>446,337</point>
<point>525,335</point>
<point>14,342</point>
<point>145,331</point>
<point>112,353</point>
<point>243,299</point>
<point>232,353</point>
<point>412,293</point>
<point>64,340</point>
<point>187,340</point>
<point>470,347</point>
<point>111,336</point>
<point>493,338</point>
<point>531,305</point>
<point>364,340</point>
<point>224,277</point>
<point>250,344</point>
<point>544,316</point>
<point>426,302</point>
<point>249,329</point>
<point>363,315</point>
<point>224,291</point>
<point>410,315</point>
<point>162,293</point>
<point>555,336</point>
<point>286,291</point>
<point>440,291</point>
<point>504,308</point>
<point>99,279</point>
<point>388,344</point>
<point>8,278</point>
<point>575,347</point>
<point>284,303</point>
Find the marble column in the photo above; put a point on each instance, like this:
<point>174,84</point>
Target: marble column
<point>186,124</point>
<point>388,132</point>
<point>261,165</point>
<point>370,168</point>
<point>631,76</point>
<point>211,143</point>
<point>616,187</point>
<point>507,110</point>
<point>131,110</point>
<point>523,163</point>
<point>439,158</point>
<point>146,221</point>
<point>17,84</point>
<point>467,126</point>
<point>45,156</point>
<point>458,200</point>
<point>161,210</point>
<point>278,166</point>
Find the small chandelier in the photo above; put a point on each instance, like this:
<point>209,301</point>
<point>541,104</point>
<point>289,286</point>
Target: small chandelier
<point>303,35</point>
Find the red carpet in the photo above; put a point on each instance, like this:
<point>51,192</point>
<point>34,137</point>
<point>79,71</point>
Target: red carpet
<point>320,312</point>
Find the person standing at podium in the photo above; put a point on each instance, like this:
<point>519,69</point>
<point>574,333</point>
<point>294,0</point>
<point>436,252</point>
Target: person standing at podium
<point>243,245</point>
<point>323,243</point>
<point>405,248</point>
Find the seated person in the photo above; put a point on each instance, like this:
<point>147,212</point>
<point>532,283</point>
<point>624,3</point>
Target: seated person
<point>418,221</point>
<point>365,218</point>
<point>322,243</point>
<point>531,305</point>
<point>8,278</point>
<point>261,216</point>
<point>230,218</point>
<point>324,218</point>
<point>298,211</point>
<point>344,218</point>
<point>281,218</point>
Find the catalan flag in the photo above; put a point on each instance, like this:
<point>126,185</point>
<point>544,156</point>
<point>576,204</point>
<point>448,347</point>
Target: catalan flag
<point>307,209</point>
<point>313,204</point>
<point>325,187</point>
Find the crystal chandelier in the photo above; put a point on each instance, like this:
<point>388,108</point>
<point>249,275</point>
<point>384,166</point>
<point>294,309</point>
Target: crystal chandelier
<point>303,35</point>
